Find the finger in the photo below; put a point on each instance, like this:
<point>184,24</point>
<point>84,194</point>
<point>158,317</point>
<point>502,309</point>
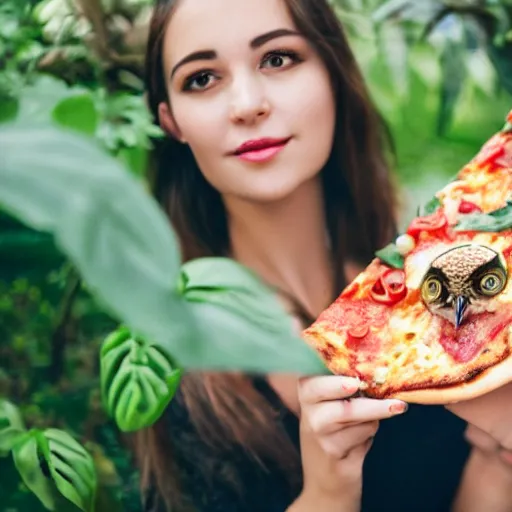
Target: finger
<point>328,387</point>
<point>326,417</point>
<point>341,443</point>
<point>506,456</point>
<point>480,439</point>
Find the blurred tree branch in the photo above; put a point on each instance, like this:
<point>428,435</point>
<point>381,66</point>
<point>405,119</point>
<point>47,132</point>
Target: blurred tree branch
<point>61,333</point>
<point>102,44</point>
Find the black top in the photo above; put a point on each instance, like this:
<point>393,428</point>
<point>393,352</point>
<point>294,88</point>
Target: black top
<point>415,464</point>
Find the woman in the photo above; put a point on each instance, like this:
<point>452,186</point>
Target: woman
<point>276,158</point>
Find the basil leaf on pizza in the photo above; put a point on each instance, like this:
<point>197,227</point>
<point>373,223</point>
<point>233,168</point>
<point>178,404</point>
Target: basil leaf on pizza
<point>391,256</point>
<point>496,221</point>
<point>430,318</point>
<point>431,206</point>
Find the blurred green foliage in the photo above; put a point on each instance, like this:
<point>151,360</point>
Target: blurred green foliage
<point>440,72</point>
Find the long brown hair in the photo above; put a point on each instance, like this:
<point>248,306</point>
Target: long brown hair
<point>360,213</point>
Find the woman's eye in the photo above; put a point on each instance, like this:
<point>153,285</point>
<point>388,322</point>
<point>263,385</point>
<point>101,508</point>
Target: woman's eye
<point>199,81</point>
<point>280,59</point>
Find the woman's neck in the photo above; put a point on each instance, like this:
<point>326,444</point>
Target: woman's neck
<point>286,244</point>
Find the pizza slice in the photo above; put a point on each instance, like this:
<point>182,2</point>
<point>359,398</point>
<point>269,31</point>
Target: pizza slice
<point>430,319</point>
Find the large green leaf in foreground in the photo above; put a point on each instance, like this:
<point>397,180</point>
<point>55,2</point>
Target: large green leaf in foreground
<point>125,250</point>
<point>226,297</point>
<point>101,218</point>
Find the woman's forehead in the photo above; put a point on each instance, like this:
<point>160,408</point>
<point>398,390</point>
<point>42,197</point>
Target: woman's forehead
<point>200,25</point>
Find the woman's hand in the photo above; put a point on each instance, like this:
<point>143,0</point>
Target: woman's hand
<point>490,414</point>
<point>488,445</point>
<point>487,478</point>
<point>336,434</point>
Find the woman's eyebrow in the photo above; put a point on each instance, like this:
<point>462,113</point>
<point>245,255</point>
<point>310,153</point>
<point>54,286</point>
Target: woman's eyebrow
<point>255,43</point>
<point>200,55</point>
<point>273,34</point>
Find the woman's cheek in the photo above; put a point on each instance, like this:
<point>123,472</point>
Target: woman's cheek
<point>201,125</point>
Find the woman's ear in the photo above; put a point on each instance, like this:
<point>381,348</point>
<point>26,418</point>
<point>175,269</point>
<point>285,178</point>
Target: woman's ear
<point>167,122</point>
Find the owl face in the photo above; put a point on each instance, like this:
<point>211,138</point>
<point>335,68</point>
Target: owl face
<point>462,281</point>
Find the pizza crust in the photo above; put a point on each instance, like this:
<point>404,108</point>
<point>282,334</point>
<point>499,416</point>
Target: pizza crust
<point>485,382</point>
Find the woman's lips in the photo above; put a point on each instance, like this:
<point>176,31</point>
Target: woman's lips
<point>260,150</point>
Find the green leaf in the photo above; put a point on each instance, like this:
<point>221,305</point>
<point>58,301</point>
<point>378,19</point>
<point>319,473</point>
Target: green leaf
<point>135,159</point>
<point>11,426</point>
<point>390,9</point>
<point>103,219</point>
<point>223,282</point>
<point>218,273</point>
<point>8,109</point>
<point>501,57</point>
<point>78,113</point>
<point>235,343</point>
<point>120,241</point>
<point>26,454</point>
<point>71,467</point>
<point>493,222</point>
<point>390,256</point>
<point>454,72</point>
<point>10,415</point>
<point>394,51</point>
<point>53,461</point>
<point>481,71</point>
<point>37,101</point>
<point>138,380</point>
<point>245,324</point>
<point>432,206</point>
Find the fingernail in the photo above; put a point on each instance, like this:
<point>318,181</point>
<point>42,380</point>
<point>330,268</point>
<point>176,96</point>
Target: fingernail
<point>350,387</point>
<point>398,408</point>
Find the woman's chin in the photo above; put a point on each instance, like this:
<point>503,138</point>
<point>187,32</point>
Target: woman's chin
<point>270,191</point>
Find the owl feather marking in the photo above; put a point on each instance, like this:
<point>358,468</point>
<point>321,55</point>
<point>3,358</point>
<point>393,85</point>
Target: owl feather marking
<point>460,263</point>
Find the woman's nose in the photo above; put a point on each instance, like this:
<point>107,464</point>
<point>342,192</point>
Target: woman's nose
<point>249,103</point>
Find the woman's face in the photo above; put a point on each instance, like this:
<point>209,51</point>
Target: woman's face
<point>239,74</point>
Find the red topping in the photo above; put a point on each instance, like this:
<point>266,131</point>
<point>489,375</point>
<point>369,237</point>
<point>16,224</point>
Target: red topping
<point>465,343</point>
<point>505,159</point>
<point>507,253</point>
<point>346,313</point>
<point>358,331</point>
<point>351,291</point>
<point>355,317</point>
<point>490,152</point>
<point>390,287</point>
<point>509,117</point>
<point>368,346</point>
<point>468,207</point>
<point>434,224</point>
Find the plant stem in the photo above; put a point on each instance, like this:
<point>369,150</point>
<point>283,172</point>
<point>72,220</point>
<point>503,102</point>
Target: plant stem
<point>93,11</point>
<point>61,330</point>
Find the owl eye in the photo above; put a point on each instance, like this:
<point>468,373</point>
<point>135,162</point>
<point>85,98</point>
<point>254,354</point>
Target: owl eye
<point>493,282</point>
<point>431,289</point>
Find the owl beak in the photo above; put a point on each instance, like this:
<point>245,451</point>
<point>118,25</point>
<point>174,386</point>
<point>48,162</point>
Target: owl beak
<point>461,305</point>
